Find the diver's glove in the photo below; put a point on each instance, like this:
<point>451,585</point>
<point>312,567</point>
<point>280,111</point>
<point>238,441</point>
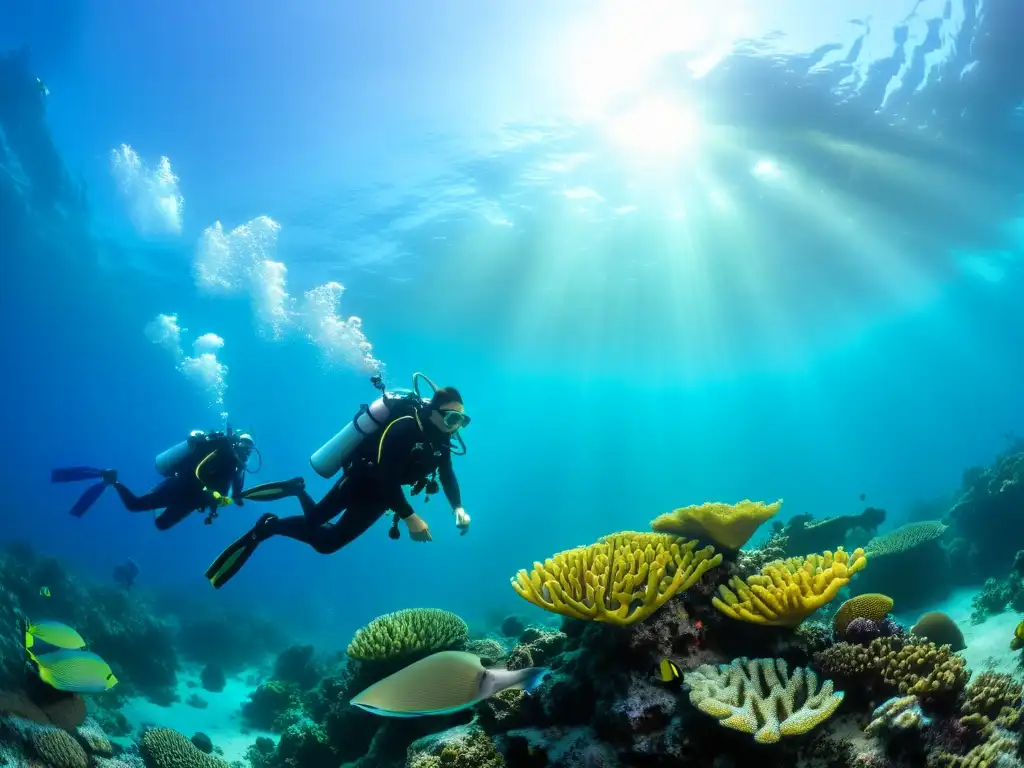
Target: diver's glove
<point>461,520</point>
<point>418,529</point>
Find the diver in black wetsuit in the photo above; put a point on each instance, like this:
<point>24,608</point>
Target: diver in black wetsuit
<point>199,474</point>
<point>411,449</point>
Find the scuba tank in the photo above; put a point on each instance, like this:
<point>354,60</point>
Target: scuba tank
<point>168,461</point>
<point>370,419</point>
<point>336,452</point>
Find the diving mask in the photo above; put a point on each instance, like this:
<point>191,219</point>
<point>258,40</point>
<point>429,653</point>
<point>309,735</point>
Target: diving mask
<point>455,419</point>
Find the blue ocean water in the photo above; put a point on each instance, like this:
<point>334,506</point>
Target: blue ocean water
<point>668,255</point>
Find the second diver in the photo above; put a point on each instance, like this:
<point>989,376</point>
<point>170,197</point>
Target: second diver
<point>398,440</point>
<point>203,472</point>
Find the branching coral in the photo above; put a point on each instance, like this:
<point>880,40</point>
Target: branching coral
<point>621,580</point>
<point>407,633</point>
<point>788,591</point>
<point>994,695</point>
<point>925,670</point>
<point>729,526</point>
<point>761,697</point>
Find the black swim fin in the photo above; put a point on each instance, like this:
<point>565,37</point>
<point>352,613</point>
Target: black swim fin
<point>87,499</point>
<point>230,561</point>
<point>75,474</point>
<point>274,491</point>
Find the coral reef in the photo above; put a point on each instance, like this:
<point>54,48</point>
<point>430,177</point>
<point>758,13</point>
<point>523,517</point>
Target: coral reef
<point>212,678</point>
<point>908,564</point>
<point>889,665</point>
<point>986,516</point>
<point>762,697</point>
<point>621,580</point>
<point>788,591</point>
<point>727,526</point>
<point>802,533</point>
<point>461,747</point>
<point>270,707</point>
<point>408,633</point>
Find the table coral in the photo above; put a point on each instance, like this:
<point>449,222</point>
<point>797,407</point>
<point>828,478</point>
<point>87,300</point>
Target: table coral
<point>788,591</point>
<point>621,580</point>
<point>761,697</point>
<point>728,526</point>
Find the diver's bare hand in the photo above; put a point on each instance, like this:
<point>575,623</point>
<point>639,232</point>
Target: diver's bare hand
<point>418,529</point>
<point>461,520</point>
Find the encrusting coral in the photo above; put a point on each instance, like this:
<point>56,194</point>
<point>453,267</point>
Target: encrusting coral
<point>788,591</point>
<point>407,633</point>
<point>761,697</point>
<point>730,526</point>
<point>873,606</point>
<point>621,580</point>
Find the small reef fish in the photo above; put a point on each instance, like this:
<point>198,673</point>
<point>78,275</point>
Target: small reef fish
<point>52,633</point>
<point>669,673</point>
<point>443,683</point>
<point>1018,638</point>
<point>75,671</point>
<point>44,591</point>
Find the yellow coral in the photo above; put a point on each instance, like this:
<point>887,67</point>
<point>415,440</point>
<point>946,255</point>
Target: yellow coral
<point>728,525</point>
<point>788,591</point>
<point>873,606</point>
<point>762,698</point>
<point>622,579</point>
<point>928,671</point>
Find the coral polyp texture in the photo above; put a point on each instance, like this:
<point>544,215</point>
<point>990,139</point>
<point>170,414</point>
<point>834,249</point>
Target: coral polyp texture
<point>762,697</point>
<point>407,633</point>
<point>788,591</point>
<point>873,606</point>
<point>730,526</point>
<point>622,579</point>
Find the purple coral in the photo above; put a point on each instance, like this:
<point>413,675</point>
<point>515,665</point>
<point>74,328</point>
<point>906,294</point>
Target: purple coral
<point>862,631</point>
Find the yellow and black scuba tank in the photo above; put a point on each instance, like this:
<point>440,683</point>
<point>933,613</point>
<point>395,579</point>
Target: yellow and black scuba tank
<point>333,455</point>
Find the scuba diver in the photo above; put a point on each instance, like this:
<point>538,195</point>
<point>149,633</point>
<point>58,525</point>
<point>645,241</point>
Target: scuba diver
<point>416,442</point>
<point>198,472</point>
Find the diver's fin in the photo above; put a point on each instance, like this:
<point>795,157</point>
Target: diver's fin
<point>230,561</point>
<point>274,491</point>
<point>87,499</point>
<point>75,474</point>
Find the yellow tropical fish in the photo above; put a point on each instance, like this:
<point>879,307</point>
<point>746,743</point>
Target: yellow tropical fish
<point>1018,637</point>
<point>75,671</point>
<point>52,633</point>
<point>44,591</point>
<point>668,672</point>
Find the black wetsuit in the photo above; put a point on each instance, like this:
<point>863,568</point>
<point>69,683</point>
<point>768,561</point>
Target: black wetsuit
<point>409,450</point>
<point>183,493</point>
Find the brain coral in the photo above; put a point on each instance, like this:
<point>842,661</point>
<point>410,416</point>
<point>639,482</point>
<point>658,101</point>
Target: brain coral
<point>164,748</point>
<point>873,606</point>
<point>58,749</point>
<point>939,629</point>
